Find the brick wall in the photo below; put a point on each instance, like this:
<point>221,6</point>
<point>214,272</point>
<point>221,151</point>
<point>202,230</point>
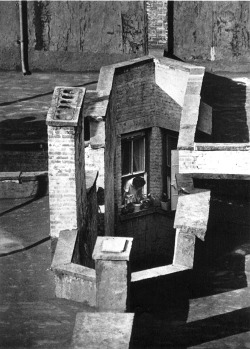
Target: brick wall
<point>135,108</point>
<point>157,23</point>
<point>171,83</point>
<point>156,162</point>
<point>140,100</point>
<point>135,104</point>
<point>62,179</point>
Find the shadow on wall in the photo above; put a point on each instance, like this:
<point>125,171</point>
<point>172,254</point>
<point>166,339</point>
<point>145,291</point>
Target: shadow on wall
<point>228,101</point>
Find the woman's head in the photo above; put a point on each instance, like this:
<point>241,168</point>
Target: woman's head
<point>138,182</point>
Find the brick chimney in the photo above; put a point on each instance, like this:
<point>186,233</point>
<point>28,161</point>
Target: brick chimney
<point>67,188</point>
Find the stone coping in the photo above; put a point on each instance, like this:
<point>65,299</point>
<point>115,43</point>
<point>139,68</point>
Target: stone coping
<point>222,146</point>
<point>146,212</point>
<point>192,212</point>
<point>173,63</point>
<point>76,270</point>
<point>216,146</point>
<point>20,176</point>
<point>157,272</point>
<point>62,260</point>
<point>91,176</point>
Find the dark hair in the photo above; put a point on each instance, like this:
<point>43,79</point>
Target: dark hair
<point>138,182</point>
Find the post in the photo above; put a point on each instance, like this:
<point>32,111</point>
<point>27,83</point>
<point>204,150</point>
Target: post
<point>111,255</point>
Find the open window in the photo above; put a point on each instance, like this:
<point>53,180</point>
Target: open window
<point>133,152</point>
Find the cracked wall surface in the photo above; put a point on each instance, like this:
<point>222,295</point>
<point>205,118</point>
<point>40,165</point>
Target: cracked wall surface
<point>213,31</point>
<point>73,35</point>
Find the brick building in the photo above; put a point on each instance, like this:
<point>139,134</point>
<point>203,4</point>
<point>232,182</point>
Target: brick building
<point>132,122</point>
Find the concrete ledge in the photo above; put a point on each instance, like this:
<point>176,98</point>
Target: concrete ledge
<point>193,212</point>
<point>222,146</point>
<point>102,330</point>
<point>72,281</point>
<point>157,272</point>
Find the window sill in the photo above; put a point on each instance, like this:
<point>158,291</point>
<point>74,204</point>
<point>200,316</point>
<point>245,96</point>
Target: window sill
<point>146,212</point>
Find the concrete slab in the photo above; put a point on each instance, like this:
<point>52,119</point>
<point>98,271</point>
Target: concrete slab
<point>111,254</point>
<point>102,330</point>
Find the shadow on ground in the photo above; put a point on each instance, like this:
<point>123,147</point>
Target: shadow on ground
<point>208,303</point>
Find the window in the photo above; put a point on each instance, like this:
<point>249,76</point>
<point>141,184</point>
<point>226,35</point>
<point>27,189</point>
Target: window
<point>133,148</point>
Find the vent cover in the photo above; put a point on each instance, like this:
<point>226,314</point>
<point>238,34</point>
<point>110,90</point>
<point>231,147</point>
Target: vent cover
<point>65,106</point>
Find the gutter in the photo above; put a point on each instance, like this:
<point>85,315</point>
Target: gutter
<point>24,62</point>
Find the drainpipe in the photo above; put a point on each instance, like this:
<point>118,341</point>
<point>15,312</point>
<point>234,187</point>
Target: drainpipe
<point>22,35</point>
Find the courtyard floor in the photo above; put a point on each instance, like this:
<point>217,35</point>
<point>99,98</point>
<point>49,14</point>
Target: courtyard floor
<point>207,308</point>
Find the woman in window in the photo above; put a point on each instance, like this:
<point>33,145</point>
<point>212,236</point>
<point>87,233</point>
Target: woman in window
<point>134,187</point>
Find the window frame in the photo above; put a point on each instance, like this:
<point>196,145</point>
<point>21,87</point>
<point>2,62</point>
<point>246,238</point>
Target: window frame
<point>130,137</point>
<point>168,147</point>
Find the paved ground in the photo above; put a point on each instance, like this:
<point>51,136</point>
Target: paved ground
<point>24,102</point>
<point>30,315</point>
<point>209,308</point>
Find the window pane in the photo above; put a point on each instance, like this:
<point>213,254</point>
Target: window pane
<point>126,157</point>
<point>138,155</point>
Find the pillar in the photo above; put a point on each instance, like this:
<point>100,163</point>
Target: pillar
<point>111,255</point>
<point>66,159</point>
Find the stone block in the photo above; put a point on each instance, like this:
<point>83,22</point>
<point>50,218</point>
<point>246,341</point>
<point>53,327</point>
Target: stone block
<point>102,254</point>
<point>111,256</point>
<point>102,330</point>
<point>77,287</point>
<point>65,106</point>
<point>112,279</point>
<point>186,137</point>
<point>95,105</point>
<point>72,281</point>
<point>64,248</point>
<point>193,212</point>
<point>97,134</point>
<point>184,249</point>
<point>106,79</point>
